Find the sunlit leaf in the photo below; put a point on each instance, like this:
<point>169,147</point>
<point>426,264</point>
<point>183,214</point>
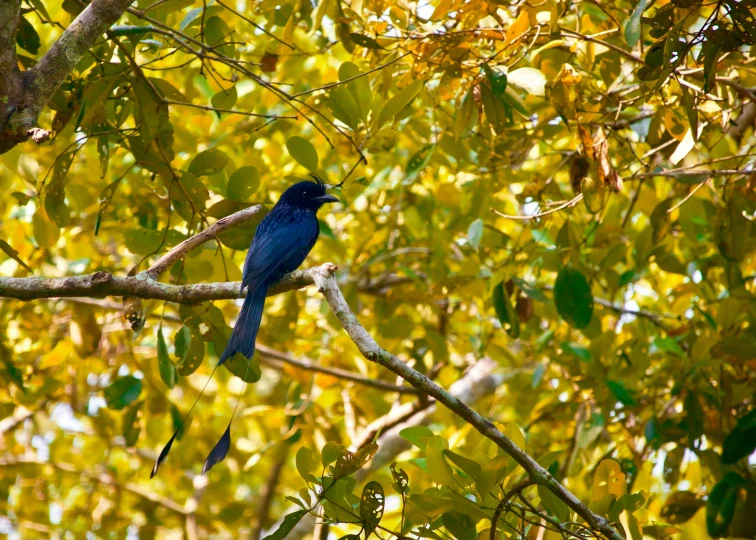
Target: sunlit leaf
<point>303,152</point>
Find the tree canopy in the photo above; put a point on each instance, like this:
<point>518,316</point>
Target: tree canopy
<point>539,316</point>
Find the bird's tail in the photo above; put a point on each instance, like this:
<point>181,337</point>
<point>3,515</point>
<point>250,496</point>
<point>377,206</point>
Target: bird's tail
<point>243,337</point>
<point>242,340</point>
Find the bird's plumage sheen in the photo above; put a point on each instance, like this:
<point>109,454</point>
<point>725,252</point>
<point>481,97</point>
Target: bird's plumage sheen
<point>281,243</point>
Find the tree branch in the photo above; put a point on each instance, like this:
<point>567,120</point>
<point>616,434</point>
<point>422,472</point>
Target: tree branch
<point>200,238</point>
<point>9,15</point>
<point>326,283</point>
<point>44,79</point>
<point>102,284</point>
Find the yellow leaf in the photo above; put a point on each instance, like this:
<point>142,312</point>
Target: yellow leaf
<point>438,468</point>
<point>514,432</point>
<point>609,480</point>
<point>685,146</point>
<point>674,124</point>
<point>631,526</point>
<point>519,27</point>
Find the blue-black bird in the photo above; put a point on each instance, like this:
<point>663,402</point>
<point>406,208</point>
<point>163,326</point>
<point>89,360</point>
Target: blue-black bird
<point>282,241</point>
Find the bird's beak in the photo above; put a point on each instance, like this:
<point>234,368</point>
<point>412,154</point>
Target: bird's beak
<point>326,199</point>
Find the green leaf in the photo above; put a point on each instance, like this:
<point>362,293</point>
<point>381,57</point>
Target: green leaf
<point>344,106</point>
<point>142,241</point>
<point>55,204</point>
<point>209,162</point>
<point>460,525</point>
<point>247,370</point>
<point>303,152</point>
<point>741,441</point>
<point>365,41</point>
<point>122,392</point>
<point>554,504</point>
<point>512,100</point>
<point>243,183</point>
<point>417,435</point>
<point>330,453</point>
<point>194,16</point>
<point>468,466</point>
<point>439,470</point>
<point>577,351</point>
<point>672,463</point>
<point>28,168</point>
<point>633,25</point>
<point>401,479</point>
<point>573,298</point>
<point>217,33</point>
<point>27,37</point>
<point>475,233</point>
<point>497,79</point>
<point>358,87</point>
<point>40,7</point>
<point>418,161</point>
<point>399,101</point>
<point>497,114</point>
<point>305,462</point>
<point>467,117</point>
<point>46,233</point>
<point>350,462</point>
<point>13,254</point>
<point>129,427</point>
<point>505,311</point>
<point>371,506</point>
<point>694,416</point>
<point>288,524</point>
<point>690,110</point>
<point>681,506</point>
<point>165,365</point>
<point>225,99</point>
<point>190,350</point>
<point>621,393</point>
<point>720,506</point>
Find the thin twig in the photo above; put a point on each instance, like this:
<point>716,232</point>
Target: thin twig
<point>571,202</point>
<point>333,84</point>
<point>215,109</point>
<point>267,353</point>
<point>200,238</point>
<point>688,196</point>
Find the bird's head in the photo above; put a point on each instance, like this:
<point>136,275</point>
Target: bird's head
<point>311,195</point>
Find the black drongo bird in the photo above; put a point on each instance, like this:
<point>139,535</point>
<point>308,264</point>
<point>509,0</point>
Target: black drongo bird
<point>282,241</point>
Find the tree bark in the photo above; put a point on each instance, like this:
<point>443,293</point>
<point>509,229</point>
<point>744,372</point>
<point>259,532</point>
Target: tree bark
<point>24,94</point>
<point>9,12</point>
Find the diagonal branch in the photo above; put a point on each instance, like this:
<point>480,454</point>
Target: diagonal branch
<point>326,283</point>
<point>200,238</point>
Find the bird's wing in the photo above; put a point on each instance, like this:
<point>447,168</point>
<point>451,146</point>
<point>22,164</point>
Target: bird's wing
<point>278,248</point>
